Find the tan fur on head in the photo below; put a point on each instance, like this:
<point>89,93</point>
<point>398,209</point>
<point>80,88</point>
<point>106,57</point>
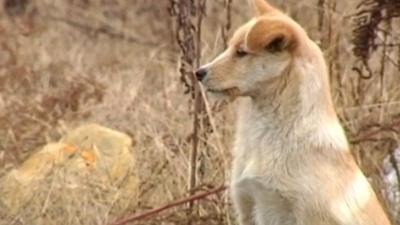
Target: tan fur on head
<point>292,164</point>
<point>265,31</point>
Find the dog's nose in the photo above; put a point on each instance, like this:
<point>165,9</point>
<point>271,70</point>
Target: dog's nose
<point>201,73</point>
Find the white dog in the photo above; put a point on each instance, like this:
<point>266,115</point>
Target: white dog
<point>292,164</point>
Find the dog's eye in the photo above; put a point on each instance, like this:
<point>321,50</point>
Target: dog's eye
<point>241,53</point>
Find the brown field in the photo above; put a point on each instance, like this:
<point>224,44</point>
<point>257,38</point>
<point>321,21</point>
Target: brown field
<point>64,63</point>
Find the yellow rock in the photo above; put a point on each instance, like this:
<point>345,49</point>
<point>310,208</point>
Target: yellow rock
<point>90,163</point>
<point>96,142</point>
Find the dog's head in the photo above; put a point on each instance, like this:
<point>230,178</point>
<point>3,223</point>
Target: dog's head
<point>259,51</point>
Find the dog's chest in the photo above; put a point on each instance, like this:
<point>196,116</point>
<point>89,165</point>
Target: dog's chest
<point>264,159</point>
<point>266,154</point>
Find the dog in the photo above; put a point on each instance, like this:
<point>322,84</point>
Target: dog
<point>292,164</point>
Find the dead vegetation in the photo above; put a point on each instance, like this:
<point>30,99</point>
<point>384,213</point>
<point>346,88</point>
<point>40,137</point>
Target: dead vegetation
<point>118,63</point>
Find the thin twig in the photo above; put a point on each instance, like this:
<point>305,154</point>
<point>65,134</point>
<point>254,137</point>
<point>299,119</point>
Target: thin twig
<point>228,23</point>
<point>198,103</point>
<point>188,36</point>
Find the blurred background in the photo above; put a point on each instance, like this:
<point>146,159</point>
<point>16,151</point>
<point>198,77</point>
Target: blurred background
<point>126,66</point>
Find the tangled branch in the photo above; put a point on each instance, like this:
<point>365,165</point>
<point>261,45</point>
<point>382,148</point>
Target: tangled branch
<point>371,13</point>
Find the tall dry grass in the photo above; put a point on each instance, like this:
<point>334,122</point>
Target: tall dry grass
<point>65,63</point>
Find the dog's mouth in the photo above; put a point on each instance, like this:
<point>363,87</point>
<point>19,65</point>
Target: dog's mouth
<point>216,91</point>
<point>225,91</point>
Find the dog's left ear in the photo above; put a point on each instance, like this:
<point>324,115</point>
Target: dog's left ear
<point>281,41</point>
<point>261,7</point>
<point>272,36</point>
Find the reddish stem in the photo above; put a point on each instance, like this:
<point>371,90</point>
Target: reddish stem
<point>144,215</point>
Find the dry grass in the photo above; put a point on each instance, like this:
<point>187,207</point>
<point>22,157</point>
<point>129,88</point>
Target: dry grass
<point>65,63</point>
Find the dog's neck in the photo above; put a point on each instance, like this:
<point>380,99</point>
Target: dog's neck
<point>298,107</point>
<point>300,92</point>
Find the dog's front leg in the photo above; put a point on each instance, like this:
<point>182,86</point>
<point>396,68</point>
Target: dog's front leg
<point>271,208</point>
<point>243,204</point>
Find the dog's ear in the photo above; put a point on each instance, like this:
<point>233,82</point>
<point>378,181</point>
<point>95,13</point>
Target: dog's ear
<point>261,7</point>
<point>281,41</point>
<point>272,36</point>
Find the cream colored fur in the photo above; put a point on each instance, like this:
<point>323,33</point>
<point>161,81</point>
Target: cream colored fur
<point>292,164</point>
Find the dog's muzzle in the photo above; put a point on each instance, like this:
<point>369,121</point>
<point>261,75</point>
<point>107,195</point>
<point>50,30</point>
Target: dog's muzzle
<point>201,73</point>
